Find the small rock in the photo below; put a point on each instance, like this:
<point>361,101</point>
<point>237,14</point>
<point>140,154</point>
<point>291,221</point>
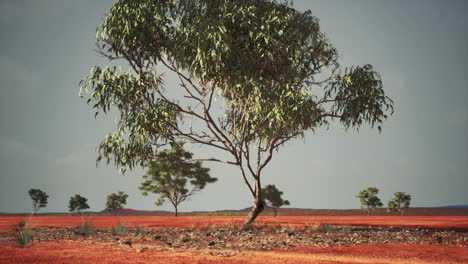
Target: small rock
<point>127,242</point>
<point>141,249</point>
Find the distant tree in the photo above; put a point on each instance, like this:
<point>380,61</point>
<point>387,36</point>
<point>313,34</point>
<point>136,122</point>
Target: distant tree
<point>39,199</point>
<point>273,198</point>
<point>170,174</point>
<point>369,199</point>
<point>116,201</point>
<point>78,204</point>
<point>399,203</point>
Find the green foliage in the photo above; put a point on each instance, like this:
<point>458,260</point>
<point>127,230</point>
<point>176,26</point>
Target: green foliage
<point>174,177</point>
<point>325,228</point>
<point>254,75</point>
<point>119,229</point>
<point>22,224</point>
<point>345,229</point>
<point>138,230</point>
<point>78,203</point>
<point>116,201</point>
<point>399,203</point>
<point>39,199</point>
<point>24,236</point>
<point>369,199</point>
<point>272,197</point>
<point>86,228</point>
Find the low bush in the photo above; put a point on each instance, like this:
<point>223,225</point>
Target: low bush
<point>22,224</point>
<point>345,229</point>
<point>325,228</point>
<point>24,236</point>
<point>119,229</point>
<point>139,230</point>
<point>85,229</point>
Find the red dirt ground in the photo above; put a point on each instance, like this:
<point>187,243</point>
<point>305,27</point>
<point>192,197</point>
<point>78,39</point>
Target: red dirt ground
<point>9,223</point>
<point>67,251</point>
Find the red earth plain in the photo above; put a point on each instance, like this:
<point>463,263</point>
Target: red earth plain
<point>72,251</point>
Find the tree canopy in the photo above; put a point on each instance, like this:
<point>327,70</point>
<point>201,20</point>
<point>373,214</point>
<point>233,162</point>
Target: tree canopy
<point>173,177</point>
<point>254,75</point>
<point>78,203</point>
<point>39,199</point>
<point>399,202</point>
<point>116,201</point>
<point>273,197</point>
<point>369,200</point>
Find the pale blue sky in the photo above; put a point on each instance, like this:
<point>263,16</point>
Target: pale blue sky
<point>48,135</point>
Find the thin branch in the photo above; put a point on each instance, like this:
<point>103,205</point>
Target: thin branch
<point>216,160</point>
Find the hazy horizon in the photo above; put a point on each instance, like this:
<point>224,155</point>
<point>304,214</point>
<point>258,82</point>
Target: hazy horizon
<point>49,136</point>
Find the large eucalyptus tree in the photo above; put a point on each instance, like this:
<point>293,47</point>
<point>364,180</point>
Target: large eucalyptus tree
<point>254,74</point>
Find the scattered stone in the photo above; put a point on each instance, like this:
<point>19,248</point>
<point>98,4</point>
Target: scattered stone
<point>143,249</point>
<point>262,237</point>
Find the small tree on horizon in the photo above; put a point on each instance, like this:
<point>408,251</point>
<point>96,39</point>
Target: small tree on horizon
<point>170,175</point>
<point>399,203</point>
<point>273,197</point>
<point>116,201</point>
<point>39,199</point>
<point>78,203</point>
<point>369,200</point>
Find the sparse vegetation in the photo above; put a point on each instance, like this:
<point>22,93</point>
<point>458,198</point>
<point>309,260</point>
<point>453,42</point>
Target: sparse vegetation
<point>86,228</point>
<point>325,228</point>
<point>261,236</point>
<point>22,224</point>
<point>119,229</point>
<point>138,230</point>
<point>24,234</point>
<point>24,237</point>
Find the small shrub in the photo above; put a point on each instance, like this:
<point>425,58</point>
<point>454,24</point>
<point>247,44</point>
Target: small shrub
<point>325,229</point>
<point>22,224</point>
<point>85,229</point>
<point>290,229</point>
<point>119,229</point>
<point>345,229</point>
<point>314,228</point>
<point>24,237</point>
<point>205,228</point>
<point>138,230</point>
<point>233,227</point>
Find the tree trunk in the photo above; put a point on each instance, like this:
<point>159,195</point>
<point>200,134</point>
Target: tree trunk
<point>175,212</point>
<point>275,210</point>
<point>34,208</point>
<point>258,207</point>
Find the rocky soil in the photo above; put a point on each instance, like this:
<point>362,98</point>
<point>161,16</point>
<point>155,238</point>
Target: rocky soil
<point>232,238</point>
